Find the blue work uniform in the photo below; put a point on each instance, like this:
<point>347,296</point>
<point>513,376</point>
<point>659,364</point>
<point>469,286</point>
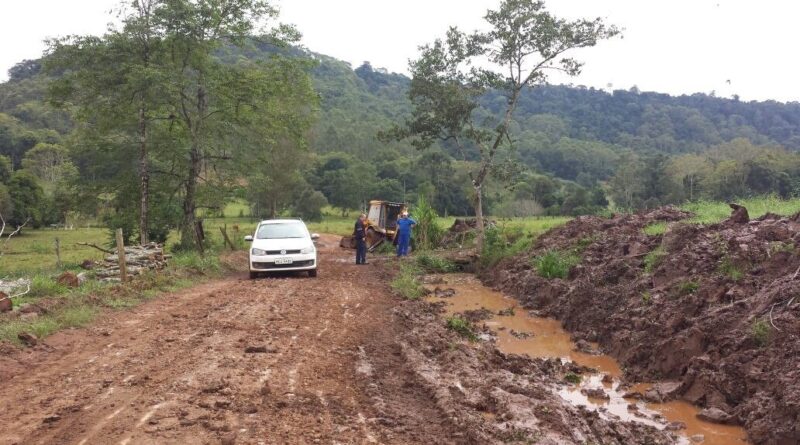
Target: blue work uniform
<point>404,235</point>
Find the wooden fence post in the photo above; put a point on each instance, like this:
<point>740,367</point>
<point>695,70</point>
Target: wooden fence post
<point>58,253</point>
<point>123,273</point>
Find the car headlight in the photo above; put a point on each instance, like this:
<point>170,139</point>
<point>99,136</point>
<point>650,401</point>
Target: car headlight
<point>258,252</point>
<point>309,249</point>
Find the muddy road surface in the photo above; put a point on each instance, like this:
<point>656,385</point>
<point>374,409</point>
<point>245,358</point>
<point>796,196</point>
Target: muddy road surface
<point>275,360</point>
<point>336,360</point>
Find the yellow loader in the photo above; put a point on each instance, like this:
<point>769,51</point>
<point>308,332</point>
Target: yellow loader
<point>381,224</point>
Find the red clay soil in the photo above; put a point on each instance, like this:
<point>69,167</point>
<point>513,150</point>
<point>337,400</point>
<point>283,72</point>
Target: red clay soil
<point>720,311</point>
<point>336,359</point>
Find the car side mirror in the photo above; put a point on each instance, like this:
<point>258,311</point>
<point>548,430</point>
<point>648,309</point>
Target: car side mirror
<point>248,238</point>
<point>314,236</point>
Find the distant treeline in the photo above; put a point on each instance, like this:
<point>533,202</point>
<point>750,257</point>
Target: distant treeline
<point>576,150</point>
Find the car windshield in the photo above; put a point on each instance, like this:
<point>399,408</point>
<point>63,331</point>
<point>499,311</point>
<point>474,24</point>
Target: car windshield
<point>281,231</point>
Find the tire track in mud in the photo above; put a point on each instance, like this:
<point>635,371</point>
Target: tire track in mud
<point>175,370</point>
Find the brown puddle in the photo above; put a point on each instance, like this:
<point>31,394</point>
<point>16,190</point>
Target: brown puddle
<point>550,340</point>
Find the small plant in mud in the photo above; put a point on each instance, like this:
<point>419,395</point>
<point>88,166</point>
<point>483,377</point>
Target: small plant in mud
<point>507,312</point>
<point>688,287</point>
<point>655,229</point>
<point>729,269</point>
<point>761,332</point>
<point>504,242</point>
<point>461,326</point>
<point>573,378</point>
<point>583,243</point>
<point>647,298</point>
<point>654,258</point>
<point>555,264</point>
<point>405,283</point>
<point>434,264</point>
<point>781,246</point>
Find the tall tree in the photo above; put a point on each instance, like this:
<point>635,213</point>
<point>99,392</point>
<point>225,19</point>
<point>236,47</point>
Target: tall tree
<point>113,82</point>
<point>212,102</point>
<point>524,44</point>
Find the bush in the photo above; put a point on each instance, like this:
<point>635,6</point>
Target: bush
<point>44,286</point>
<point>688,287</point>
<point>203,264</point>
<point>655,229</point>
<point>761,332</point>
<point>503,243</point>
<point>405,283</point>
<point>730,270</point>
<point>555,264</point>
<point>462,327</point>
<point>654,258</point>
<point>428,230</point>
<point>434,264</point>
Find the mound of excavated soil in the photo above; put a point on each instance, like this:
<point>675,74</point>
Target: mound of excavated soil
<point>494,398</point>
<point>715,307</point>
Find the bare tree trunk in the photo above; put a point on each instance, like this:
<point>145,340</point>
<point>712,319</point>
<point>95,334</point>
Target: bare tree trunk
<point>190,235</point>
<point>144,177</point>
<point>479,217</point>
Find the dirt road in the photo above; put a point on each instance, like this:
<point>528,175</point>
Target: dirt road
<point>279,360</point>
<point>334,360</point>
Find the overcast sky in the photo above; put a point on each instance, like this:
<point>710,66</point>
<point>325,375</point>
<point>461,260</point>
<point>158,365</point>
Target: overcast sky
<point>673,46</point>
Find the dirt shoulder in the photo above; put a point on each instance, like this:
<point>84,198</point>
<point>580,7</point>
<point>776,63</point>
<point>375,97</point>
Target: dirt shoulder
<point>336,359</point>
<point>711,307</point>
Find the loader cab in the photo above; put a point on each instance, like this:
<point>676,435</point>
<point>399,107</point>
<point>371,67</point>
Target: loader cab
<point>382,216</point>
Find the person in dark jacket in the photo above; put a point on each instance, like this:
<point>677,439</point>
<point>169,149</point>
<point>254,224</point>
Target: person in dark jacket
<point>360,235</point>
<point>404,226</point>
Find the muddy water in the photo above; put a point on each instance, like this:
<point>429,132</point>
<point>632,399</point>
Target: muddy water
<point>519,332</point>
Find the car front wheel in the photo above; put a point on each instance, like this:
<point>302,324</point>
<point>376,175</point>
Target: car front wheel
<point>312,273</point>
<point>253,275</point>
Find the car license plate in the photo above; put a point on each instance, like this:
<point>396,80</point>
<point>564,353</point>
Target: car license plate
<point>283,261</point>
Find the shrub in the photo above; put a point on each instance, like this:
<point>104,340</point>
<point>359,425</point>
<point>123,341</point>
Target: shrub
<point>405,283</point>
<point>462,327</point>
<point>44,286</point>
<point>654,229</point>
<point>428,230</point>
<point>646,297</point>
<point>555,264</point>
<point>435,264</point>
<point>761,332</point>
<point>573,378</point>
<point>503,243</point>
<point>203,264</point>
<point>730,270</point>
<point>688,287</point>
<point>654,258</point>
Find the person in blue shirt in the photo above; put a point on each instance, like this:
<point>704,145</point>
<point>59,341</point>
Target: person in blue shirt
<point>404,226</point>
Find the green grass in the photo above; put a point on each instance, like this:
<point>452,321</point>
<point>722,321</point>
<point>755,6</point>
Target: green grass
<point>431,263</point>
<point>654,258</point>
<point>711,212</point>
<point>555,264</point>
<point>729,269</point>
<point>655,229</point>
<point>688,287</point>
<point>406,284</point>
<point>461,326</point>
<point>573,378</point>
<point>761,332</point>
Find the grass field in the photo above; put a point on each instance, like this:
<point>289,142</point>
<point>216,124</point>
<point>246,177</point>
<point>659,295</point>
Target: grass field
<point>33,252</point>
<point>711,212</point>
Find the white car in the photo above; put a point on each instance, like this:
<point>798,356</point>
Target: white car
<point>281,245</point>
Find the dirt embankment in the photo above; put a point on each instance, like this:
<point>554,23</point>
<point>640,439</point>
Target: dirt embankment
<point>337,359</point>
<point>712,307</point>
